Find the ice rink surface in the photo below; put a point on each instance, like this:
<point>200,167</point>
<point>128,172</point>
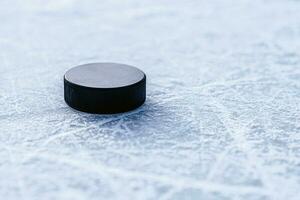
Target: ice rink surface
<point>222,117</point>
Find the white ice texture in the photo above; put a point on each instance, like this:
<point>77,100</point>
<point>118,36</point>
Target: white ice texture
<point>222,117</point>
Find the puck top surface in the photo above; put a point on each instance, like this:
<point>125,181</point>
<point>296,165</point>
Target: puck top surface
<point>104,75</point>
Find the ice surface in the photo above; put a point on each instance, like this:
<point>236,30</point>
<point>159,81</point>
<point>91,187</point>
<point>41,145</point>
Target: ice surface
<point>222,118</point>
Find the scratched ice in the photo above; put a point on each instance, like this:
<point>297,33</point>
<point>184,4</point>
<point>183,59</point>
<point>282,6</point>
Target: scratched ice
<point>222,119</point>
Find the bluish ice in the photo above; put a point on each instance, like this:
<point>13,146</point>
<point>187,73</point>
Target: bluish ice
<point>222,117</point>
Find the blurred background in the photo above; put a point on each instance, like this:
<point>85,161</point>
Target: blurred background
<point>221,119</point>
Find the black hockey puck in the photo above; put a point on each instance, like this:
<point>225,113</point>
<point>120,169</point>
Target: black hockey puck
<point>104,88</point>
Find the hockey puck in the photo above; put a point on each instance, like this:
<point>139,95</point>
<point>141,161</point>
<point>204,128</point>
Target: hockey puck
<point>104,88</point>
